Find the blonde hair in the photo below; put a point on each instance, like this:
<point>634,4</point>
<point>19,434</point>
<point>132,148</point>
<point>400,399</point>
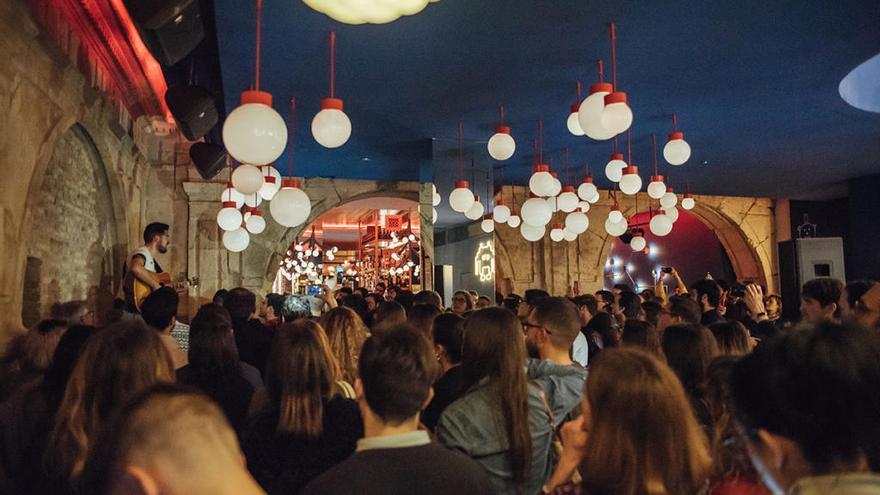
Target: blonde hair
<point>644,438</point>
<point>346,334</point>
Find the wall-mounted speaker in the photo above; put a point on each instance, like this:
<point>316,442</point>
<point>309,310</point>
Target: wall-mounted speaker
<point>171,29</point>
<point>194,110</point>
<point>209,159</point>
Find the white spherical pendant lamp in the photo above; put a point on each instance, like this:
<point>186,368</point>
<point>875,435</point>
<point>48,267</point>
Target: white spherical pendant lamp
<point>253,200</point>
<point>577,222</point>
<point>433,215</point>
<point>515,220</point>
<point>638,243</point>
<point>568,200</point>
<point>660,225</point>
<point>536,212</point>
<point>630,181</point>
<point>614,167</point>
<point>568,235</point>
<point>436,199</point>
<point>688,202</point>
<point>656,188</point>
<point>230,194</point>
<point>556,234</point>
<point>595,198</point>
<point>271,182</point>
<point>616,116</point>
<point>541,183</point>
<point>331,126</point>
<point>672,213</point>
<point>573,124</point>
<point>614,214</point>
<point>586,190</point>
<point>557,185</point>
<point>229,218</point>
<point>247,179</point>
<point>476,210</point>
<point>488,224</point>
<point>236,240</point>
<point>590,112</point>
<point>677,150</point>
<point>501,144</point>
<point>669,199</point>
<point>256,224</point>
<point>291,206</point>
<point>584,206</point>
<point>254,132</point>
<point>501,214</point>
<point>461,198</point>
<point>617,228</point>
<point>532,233</point>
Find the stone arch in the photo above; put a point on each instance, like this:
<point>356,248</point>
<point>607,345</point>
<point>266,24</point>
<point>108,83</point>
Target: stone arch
<point>71,236</point>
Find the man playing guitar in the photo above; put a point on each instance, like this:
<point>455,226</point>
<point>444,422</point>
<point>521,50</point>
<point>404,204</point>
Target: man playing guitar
<point>144,274</point>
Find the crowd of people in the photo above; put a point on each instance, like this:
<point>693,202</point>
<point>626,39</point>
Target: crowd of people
<point>706,390</point>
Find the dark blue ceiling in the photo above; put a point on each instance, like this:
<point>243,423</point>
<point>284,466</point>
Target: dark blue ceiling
<point>755,84</point>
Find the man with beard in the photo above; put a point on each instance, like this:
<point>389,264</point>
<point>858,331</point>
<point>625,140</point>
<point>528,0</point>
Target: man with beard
<point>550,331</point>
<point>142,264</point>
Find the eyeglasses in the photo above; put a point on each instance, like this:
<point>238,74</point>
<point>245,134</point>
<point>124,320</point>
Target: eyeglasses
<point>459,299</point>
<point>527,325</point>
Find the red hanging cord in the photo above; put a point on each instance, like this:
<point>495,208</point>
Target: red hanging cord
<point>501,111</point>
<point>332,64</point>
<point>615,145</point>
<point>601,70</point>
<point>259,40</point>
<point>629,146</point>
<point>654,145</point>
<point>540,141</point>
<point>565,163</point>
<point>586,169</point>
<point>674,122</point>
<point>579,92</point>
<point>613,57</point>
<point>292,137</point>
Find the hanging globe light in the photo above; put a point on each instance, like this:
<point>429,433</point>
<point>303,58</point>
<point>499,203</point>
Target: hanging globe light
<point>568,235</point>
<point>557,185</point>
<point>256,224</point>
<point>660,225</point>
<point>229,218</point>
<point>616,228</point>
<point>435,197</point>
<point>254,132</point>
<point>617,116</point>
<point>574,126</point>
<point>594,199</point>
<point>677,150</point>
<point>331,127</point>
<point>669,199</point>
<point>476,210</point>
<point>553,203</point>
<point>536,212</point>
<point>656,188</point>
<point>461,198</point>
<point>501,144</point>
<point>501,214</point>
<point>590,112</point>
<point>638,243</point>
<point>532,233</point>
<point>615,166</point>
<point>271,182</point>
<point>584,206</point>
<point>434,215</point>
<point>247,179</point>
<point>630,181</point>
<point>556,234</point>
<point>253,201</point>
<point>541,183</point>
<point>236,240</point>
<point>614,214</point>
<point>586,190</point>
<point>291,206</point>
<point>488,224</point>
<point>672,213</point>
<point>688,202</point>
<point>577,222</point>
<point>230,194</point>
<point>515,220</point>
<point>568,200</point>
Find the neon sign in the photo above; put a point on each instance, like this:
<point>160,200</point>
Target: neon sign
<point>484,261</point>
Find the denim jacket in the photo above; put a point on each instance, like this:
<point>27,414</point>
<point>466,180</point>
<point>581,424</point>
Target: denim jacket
<point>474,424</point>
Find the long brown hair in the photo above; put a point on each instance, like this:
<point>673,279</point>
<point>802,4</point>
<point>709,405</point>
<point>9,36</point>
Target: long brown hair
<point>300,377</point>
<point>346,333</point>
<point>117,363</point>
<point>494,348</point>
<point>643,436</point>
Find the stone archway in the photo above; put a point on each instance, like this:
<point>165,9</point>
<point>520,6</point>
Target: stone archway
<point>745,227</point>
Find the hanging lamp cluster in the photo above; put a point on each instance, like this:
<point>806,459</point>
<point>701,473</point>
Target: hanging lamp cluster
<point>306,258</point>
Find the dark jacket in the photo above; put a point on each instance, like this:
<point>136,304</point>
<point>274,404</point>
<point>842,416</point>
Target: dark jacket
<point>446,391</point>
<point>231,391</point>
<point>254,341</point>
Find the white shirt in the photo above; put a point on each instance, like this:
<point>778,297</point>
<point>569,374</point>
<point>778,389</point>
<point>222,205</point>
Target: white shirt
<point>580,350</point>
<point>149,262</point>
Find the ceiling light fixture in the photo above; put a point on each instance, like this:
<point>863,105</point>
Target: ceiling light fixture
<point>590,110</point>
<point>501,145</point>
<point>616,116</point>
<point>656,188</point>
<point>368,11</point>
<point>677,150</point>
<point>461,198</point>
<point>331,127</point>
<point>630,181</point>
<point>573,123</point>
<point>291,206</point>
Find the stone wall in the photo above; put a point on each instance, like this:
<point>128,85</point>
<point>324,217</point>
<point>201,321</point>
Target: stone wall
<point>745,226</point>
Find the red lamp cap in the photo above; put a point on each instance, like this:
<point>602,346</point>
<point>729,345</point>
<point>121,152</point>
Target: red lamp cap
<point>256,212</point>
<point>502,129</point>
<point>499,202</point>
<point>567,188</point>
<point>631,170</point>
<point>556,225</point>
<point>656,178</point>
<point>254,96</point>
<point>676,135</point>
<point>462,184</point>
<point>487,216</point>
<point>602,87</point>
<point>617,156</point>
<point>668,189</point>
<point>270,179</point>
<point>291,183</point>
<point>476,198</point>
<point>229,185</point>
<point>575,107</point>
<point>688,195</point>
<point>615,207</point>
<point>514,213</point>
<point>331,103</point>
<point>541,168</point>
<point>555,175</point>
<point>587,180</point>
<point>229,204</point>
<point>616,97</point>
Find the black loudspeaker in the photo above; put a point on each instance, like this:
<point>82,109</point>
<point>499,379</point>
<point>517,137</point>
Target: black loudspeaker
<point>171,29</point>
<point>193,108</point>
<point>209,159</point>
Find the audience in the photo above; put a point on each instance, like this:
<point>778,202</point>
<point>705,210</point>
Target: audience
<point>159,311</point>
<point>852,307</point>
<point>28,356</point>
<point>708,294</point>
<point>306,427</point>
<point>462,302</point>
<point>630,305</point>
<point>273,310</point>
<point>732,337</point>
<point>532,296</point>
<point>820,300</point>
<point>808,409</point>
<point>606,301</point>
<point>637,435</point>
<point>447,334</point>
<point>483,302</point>
<point>388,315</point>
<point>428,297</point>
<point>679,310</point>
<point>294,308</point>
<point>172,440</point>
<point>689,349</point>
<point>643,335</point>
<point>253,339</point>
<point>397,369</point>
<point>73,312</point>
<point>214,367</point>
<point>346,334</point>
<point>603,333</point>
<point>421,317</point>
<point>651,311</point>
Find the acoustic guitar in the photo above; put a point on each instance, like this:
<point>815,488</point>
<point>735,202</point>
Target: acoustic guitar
<point>139,290</point>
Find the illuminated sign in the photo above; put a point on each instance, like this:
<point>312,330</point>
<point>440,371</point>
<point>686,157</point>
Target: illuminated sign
<point>484,261</point>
